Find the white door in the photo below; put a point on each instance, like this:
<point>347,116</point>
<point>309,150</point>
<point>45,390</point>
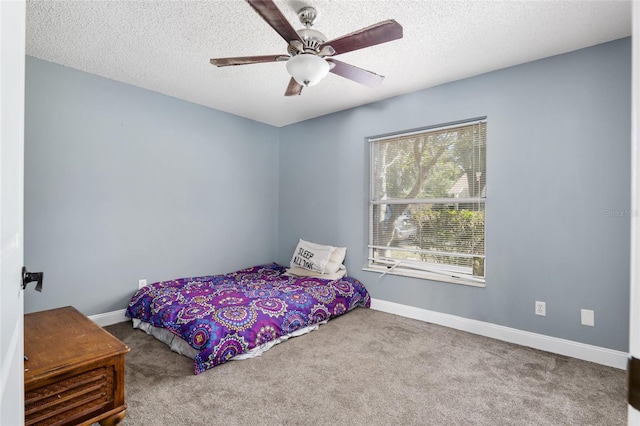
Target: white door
<point>12,57</point>
<point>634,317</point>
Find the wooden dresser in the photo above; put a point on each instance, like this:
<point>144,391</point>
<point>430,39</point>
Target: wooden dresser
<point>75,371</point>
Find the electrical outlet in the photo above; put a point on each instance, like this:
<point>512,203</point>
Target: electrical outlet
<point>541,308</point>
<point>587,317</point>
<point>142,283</point>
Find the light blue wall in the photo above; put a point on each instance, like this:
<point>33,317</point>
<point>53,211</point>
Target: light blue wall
<point>558,191</point>
<point>122,183</point>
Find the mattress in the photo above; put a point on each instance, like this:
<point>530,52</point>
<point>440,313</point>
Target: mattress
<point>222,317</point>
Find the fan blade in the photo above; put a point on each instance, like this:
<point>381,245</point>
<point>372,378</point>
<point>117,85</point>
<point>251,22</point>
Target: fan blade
<point>381,32</point>
<point>244,60</point>
<point>272,16</point>
<point>356,74</point>
<point>294,88</point>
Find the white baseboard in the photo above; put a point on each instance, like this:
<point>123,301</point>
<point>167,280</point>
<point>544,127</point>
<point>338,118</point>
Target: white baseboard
<point>110,318</point>
<point>565,347</point>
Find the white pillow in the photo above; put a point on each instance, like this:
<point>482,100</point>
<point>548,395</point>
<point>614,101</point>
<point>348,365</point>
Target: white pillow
<point>337,257</point>
<point>311,256</point>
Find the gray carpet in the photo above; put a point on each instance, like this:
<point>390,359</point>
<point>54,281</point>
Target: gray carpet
<point>372,368</point>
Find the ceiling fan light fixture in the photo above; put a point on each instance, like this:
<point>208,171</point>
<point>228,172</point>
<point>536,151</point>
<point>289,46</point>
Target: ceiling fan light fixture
<point>307,69</point>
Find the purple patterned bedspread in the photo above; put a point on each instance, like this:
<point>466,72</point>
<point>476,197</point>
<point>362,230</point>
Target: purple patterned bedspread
<point>225,315</point>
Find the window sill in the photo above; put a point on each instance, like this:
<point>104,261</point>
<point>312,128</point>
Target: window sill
<point>412,273</point>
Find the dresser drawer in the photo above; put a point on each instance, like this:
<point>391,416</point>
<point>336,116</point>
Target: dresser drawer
<point>69,397</point>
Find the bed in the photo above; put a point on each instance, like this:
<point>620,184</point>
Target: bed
<point>221,317</point>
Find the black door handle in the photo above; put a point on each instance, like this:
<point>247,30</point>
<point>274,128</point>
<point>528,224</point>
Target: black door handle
<point>28,277</point>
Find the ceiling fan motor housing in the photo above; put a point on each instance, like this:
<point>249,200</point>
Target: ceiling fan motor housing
<point>312,39</point>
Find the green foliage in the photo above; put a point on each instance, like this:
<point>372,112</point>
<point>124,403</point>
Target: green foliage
<point>448,230</point>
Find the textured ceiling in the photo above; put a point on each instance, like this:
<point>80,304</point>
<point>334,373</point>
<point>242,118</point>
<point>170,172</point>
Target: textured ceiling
<point>165,46</point>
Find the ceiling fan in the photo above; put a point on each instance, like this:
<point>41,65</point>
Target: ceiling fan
<point>310,55</point>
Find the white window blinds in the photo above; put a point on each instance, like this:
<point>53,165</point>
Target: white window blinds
<point>427,201</point>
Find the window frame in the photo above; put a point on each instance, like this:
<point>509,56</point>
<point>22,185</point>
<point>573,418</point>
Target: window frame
<point>410,268</point>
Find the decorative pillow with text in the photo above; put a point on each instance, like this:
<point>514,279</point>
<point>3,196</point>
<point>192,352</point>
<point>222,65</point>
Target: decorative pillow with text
<point>316,257</point>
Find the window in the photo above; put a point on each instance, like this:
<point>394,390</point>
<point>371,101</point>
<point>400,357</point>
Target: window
<point>427,203</point>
